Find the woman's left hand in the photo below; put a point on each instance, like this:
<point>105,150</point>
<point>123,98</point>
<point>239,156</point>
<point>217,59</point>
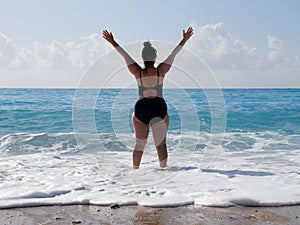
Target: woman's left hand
<point>108,36</point>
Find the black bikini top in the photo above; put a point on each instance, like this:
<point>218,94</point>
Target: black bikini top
<point>158,86</point>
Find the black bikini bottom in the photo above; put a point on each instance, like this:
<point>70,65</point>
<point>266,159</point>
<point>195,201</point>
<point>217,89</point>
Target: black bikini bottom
<point>154,109</point>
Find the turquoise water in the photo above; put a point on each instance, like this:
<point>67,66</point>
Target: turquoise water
<point>268,118</point>
<point>247,110</point>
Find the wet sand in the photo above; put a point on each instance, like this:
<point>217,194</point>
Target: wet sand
<point>89,214</point>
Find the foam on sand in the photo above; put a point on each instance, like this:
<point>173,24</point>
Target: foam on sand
<point>253,177</point>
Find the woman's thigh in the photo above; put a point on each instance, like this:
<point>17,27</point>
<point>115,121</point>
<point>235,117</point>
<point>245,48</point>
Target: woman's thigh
<point>159,131</point>
<point>141,130</point>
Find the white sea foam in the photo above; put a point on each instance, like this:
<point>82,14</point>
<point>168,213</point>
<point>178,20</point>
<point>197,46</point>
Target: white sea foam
<point>247,171</point>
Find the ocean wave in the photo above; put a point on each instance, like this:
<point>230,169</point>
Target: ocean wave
<point>59,143</point>
<point>25,143</point>
<point>73,143</point>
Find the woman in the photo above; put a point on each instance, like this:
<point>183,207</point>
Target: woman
<point>151,109</point>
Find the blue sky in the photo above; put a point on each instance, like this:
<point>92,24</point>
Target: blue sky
<point>24,23</point>
<point>64,20</point>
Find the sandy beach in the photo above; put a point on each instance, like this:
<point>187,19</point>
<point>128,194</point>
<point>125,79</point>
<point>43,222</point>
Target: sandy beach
<point>89,214</point>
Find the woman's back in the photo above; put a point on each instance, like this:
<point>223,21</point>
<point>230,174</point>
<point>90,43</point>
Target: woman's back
<point>150,83</point>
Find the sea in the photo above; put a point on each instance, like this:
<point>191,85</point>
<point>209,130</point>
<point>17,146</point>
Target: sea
<point>74,146</point>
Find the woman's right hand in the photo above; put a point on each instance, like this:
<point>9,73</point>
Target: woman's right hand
<point>187,34</point>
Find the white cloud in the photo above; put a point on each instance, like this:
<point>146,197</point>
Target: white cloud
<point>278,57</point>
<point>220,50</point>
<point>7,51</point>
<point>215,45</point>
<point>54,56</point>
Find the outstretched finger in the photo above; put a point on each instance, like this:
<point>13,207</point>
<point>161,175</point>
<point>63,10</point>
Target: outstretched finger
<point>104,32</point>
<point>105,35</point>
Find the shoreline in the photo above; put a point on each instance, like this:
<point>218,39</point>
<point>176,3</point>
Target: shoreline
<point>92,214</point>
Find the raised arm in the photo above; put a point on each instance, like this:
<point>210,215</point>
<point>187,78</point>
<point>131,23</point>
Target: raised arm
<point>133,67</point>
<point>165,66</point>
